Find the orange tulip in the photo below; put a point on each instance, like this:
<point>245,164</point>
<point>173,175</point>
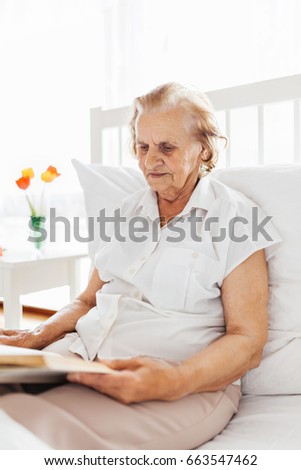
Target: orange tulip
<point>23,182</point>
<point>28,172</point>
<point>50,174</point>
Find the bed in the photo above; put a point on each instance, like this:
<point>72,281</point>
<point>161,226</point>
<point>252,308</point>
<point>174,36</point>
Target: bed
<point>269,416</point>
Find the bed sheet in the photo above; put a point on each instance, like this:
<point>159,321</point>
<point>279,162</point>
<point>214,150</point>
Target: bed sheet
<point>262,423</point>
<point>14,436</point>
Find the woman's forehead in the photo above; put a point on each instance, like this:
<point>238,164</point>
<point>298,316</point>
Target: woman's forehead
<point>161,126</point>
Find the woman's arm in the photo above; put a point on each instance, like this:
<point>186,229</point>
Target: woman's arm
<point>245,298</point>
<point>59,324</point>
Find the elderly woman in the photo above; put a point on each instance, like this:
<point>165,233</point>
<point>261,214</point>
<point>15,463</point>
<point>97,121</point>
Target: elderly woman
<point>180,312</point>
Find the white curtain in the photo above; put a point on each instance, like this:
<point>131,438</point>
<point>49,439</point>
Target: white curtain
<point>208,43</point>
<point>52,73</point>
<point>59,58</point>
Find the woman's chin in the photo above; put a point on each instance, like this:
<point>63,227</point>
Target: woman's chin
<point>160,181</point>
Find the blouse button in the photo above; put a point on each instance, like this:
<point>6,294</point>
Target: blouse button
<point>195,255</point>
<point>136,294</point>
<point>131,271</point>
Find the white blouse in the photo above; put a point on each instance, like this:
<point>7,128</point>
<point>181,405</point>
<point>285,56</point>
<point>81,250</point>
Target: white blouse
<point>163,293</point>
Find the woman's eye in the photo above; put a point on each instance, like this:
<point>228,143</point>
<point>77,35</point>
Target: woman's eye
<point>143,147</point>
<point>166,147</point>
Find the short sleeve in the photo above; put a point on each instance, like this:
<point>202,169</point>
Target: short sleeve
<point>249,230</point>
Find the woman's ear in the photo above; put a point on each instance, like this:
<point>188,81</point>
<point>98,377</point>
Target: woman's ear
<point>204,167</point>
<point>204,154</point>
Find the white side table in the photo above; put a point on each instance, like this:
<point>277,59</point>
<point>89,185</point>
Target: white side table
<point>24,274</point>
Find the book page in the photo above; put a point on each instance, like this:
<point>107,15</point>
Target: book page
<point>22,365</point>
<point>13,355</point>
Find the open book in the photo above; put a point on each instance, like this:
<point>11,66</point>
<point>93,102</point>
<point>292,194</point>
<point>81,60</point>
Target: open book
<point>21,365</point>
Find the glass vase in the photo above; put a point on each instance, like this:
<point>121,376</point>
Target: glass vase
<point>37,233</point>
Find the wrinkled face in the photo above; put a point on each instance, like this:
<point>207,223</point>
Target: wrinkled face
<point>169,156</point>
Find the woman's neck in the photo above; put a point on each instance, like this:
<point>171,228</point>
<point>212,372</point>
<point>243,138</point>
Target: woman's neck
<point>168,209</point>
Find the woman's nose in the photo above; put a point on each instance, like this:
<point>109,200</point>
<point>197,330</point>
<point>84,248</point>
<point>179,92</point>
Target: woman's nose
<point>152,158</point>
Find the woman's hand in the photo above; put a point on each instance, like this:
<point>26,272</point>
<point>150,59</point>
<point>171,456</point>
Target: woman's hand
<point>20,338</point>
<point>38,338</point>
<point>138,379</point>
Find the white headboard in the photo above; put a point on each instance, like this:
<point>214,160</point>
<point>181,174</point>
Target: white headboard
<point>225,101</point>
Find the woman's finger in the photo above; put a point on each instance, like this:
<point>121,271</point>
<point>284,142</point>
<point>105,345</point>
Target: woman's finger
<point>121,364</point>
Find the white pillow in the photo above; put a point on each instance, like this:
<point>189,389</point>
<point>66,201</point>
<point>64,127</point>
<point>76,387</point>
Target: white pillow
<point>105,187</point>
<point>277,190</point>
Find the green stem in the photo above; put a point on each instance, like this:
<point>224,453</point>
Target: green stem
<point>42,201</point>
<point>33,212</point>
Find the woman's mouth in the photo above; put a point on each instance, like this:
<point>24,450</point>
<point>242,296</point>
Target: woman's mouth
<point>157,175</point>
